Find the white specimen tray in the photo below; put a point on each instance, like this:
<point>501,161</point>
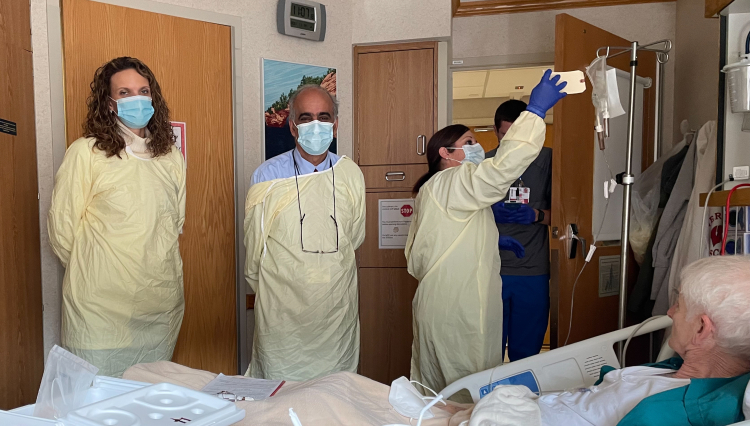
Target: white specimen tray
<point>115,402</point>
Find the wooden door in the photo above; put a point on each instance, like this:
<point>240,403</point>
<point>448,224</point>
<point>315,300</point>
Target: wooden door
<point>193,63</point>
<point>485,136</point>
<point>21,344</point>
<point>488,138</point>
<point>576,43</point>
<point>395,102</point>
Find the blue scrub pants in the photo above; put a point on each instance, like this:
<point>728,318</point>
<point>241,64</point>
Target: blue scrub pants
<point>525,314</point>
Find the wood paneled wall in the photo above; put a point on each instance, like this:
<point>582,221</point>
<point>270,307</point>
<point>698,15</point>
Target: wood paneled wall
<point>21,342</point>
<point>493,7</point>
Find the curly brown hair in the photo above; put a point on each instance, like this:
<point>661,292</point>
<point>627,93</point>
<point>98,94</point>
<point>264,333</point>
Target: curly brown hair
<point>101,123</point>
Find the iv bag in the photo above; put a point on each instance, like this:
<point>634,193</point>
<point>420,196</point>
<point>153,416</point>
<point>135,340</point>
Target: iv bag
<point>614,107</point>
<point>604,94</point>
<point>597,74</point>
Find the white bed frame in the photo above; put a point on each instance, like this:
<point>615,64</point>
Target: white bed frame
<point>571,366</point>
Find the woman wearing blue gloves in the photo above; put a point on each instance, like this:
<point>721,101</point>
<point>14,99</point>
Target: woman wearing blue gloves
<point>452,248</point>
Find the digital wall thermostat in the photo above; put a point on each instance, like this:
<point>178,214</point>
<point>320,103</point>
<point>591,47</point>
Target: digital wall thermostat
<point>301,18</point>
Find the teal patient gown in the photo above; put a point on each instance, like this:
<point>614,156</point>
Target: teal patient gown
<point>704,402</point>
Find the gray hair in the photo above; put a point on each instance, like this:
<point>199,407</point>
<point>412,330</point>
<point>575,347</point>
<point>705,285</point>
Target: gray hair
<point>719,287</point>
<point>316,87</point>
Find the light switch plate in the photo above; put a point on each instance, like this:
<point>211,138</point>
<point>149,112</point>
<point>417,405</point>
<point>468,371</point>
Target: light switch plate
<point>741,172</point>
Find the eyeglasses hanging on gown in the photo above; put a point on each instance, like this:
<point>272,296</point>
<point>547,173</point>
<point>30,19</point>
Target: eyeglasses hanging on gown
<point>302,216</point>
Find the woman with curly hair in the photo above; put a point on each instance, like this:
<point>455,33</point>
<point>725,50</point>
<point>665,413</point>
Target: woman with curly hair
<point>117,210</point>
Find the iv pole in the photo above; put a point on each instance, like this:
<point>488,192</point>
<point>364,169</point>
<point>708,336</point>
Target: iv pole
<point>627,178</point>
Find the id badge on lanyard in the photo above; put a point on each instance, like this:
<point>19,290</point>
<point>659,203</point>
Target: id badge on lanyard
<point>519,194</point>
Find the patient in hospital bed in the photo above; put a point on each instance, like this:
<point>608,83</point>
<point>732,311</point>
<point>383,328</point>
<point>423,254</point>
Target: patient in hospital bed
<point>706,385</point>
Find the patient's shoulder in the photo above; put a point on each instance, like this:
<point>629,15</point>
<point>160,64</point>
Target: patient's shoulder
<point>717,401</point>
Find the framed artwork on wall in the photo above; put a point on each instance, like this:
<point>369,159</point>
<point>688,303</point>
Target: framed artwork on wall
<point>279,81</point>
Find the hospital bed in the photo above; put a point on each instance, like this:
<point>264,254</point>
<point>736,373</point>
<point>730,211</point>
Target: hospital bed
<point>347,398</point>
<point>572,366</point>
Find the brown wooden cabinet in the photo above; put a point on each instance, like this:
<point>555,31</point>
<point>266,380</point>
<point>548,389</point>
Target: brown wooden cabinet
<point>21,344</point>
<point>494,7</point>
<point>395,104</point>
<point>395,114</point>
<point>713,7</point>
<point>370,256</point>
<point>396,177</point>
<point>385,308</point>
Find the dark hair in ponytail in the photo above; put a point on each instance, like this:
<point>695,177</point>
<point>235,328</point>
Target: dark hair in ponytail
<point>444,138</point>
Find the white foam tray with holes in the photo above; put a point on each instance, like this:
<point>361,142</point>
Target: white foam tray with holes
<point>114,402</point>
<point>102,388</point>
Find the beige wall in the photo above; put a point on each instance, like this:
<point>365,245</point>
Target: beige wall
<point>697,65</point>
<point>50,266</point>
<point>376,21</point>
<point>519,35</point>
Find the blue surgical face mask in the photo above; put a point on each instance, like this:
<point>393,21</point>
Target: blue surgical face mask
<point>472,153</point>
<point>135,111</point>
<point>315,137</point>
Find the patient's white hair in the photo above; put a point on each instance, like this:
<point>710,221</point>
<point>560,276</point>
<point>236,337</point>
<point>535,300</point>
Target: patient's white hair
<point>719,287</point>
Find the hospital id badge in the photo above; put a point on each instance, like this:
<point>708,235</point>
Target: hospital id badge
<point>519,195</point>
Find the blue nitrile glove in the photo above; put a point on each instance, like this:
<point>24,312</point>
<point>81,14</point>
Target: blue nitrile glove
<point>522,214</point>
<point>546,94</point>
<point>499,210</point>
<point>510,244</point>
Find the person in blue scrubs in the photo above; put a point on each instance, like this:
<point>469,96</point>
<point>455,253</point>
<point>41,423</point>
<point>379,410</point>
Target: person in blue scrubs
<point>525,262</point>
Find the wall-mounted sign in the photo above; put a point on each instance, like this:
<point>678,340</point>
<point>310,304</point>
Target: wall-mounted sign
<point>180,138</point>
<point>280,81</point>
<point>715,230</point>
<point>8,127</point>
<point>609,276</point>
<point>394,218</point>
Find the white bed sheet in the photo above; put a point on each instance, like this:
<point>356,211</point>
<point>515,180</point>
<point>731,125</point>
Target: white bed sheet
<point>341,398</point>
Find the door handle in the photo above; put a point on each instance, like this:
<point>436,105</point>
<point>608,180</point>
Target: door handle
<point>571,240</point>
<point>395,176</point>
<point>421,144</point>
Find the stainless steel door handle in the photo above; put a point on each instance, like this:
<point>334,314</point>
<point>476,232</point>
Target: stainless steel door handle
<point>421,144</point>
<point>395,176</point>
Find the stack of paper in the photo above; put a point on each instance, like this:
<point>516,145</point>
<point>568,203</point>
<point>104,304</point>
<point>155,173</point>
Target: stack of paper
<point>242,388</point>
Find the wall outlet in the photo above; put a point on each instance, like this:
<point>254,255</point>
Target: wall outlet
<point>741,172</point>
